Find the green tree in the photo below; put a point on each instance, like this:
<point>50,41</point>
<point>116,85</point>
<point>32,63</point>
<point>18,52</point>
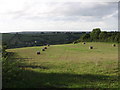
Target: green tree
<point>103,36</point>
<point>116,39</point>
<point>95,34</point>
<point>85,37</point>
<point>4,47</point>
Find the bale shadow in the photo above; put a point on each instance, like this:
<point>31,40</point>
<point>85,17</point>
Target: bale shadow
<point>30,65</point>
<point>33,67</point>
<point>22,58</point>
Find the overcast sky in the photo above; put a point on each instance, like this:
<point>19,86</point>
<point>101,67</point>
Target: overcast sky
<point>33,15</point>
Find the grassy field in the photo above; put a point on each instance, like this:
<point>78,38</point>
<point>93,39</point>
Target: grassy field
<point>68,66</point>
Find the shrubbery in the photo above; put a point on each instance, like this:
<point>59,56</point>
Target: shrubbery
<point>10,71</point>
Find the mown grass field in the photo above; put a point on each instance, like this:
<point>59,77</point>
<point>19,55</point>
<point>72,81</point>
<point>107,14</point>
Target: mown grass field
<point>68,66</point>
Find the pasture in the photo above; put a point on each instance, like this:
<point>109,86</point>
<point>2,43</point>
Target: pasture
<point>68,66</point>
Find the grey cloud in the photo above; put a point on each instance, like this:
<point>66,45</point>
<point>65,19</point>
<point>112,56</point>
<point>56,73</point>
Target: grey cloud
<point>75,9</point>
<point>71,11</point>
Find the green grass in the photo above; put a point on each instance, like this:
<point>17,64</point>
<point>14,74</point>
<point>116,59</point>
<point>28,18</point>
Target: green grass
<point>69,66</point>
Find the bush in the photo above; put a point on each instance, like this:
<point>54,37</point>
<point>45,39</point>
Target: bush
<point>10,70</point>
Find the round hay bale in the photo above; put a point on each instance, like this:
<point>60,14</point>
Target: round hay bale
<point>84,43</point>
<point>45,47</point>
<point>48,45</point>
<point>38,52</point>
<point>91,47</point>
<point>74,42</point>
<point>113,45</point>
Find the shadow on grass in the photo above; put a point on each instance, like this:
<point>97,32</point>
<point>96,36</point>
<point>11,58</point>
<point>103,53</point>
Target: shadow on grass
<point>33,66</point>
<point>29,65</point>
<point>31,79</point>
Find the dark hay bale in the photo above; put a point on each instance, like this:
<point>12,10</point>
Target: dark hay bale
<point>84,43</point>
<point>91,47</point>
<point>45,47</point>
<point>48,45</point>
<point>74,42</point>
<point>113,45</point>
<point>38,52</point>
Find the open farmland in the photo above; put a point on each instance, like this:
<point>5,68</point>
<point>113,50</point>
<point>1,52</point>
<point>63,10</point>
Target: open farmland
<point>68,66</point>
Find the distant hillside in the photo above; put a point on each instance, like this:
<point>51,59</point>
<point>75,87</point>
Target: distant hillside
<point>24,39</point>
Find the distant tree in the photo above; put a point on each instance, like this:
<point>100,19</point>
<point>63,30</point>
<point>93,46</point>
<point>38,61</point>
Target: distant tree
<point>4,47</point>
<point>85,37</point>
<point>111,39</point>
<point>98,35</point>
<point>117,37</point>
<point>103,36</point>
<point>42,32</point>
<point>95,34</point>
<point>83,32</point>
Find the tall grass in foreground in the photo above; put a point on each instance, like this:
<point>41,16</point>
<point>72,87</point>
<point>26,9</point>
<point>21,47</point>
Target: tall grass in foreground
<point>10,70</point>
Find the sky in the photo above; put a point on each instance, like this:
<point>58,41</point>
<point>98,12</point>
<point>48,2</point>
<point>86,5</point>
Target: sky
<point>35,15</point>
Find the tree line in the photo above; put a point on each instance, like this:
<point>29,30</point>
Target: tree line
<point>100,36</point>
<point>15,40</point>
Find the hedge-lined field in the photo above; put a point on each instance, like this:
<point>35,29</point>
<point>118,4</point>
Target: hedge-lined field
<point>68,66</point>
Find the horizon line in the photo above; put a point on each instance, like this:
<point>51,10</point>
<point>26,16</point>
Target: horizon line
<point>59,31</point>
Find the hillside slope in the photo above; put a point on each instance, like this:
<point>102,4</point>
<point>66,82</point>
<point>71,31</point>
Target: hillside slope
<point>68,65</point>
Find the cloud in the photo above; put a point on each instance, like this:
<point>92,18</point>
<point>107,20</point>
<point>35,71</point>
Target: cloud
<point>35,15</point>
<point>71,11</point>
